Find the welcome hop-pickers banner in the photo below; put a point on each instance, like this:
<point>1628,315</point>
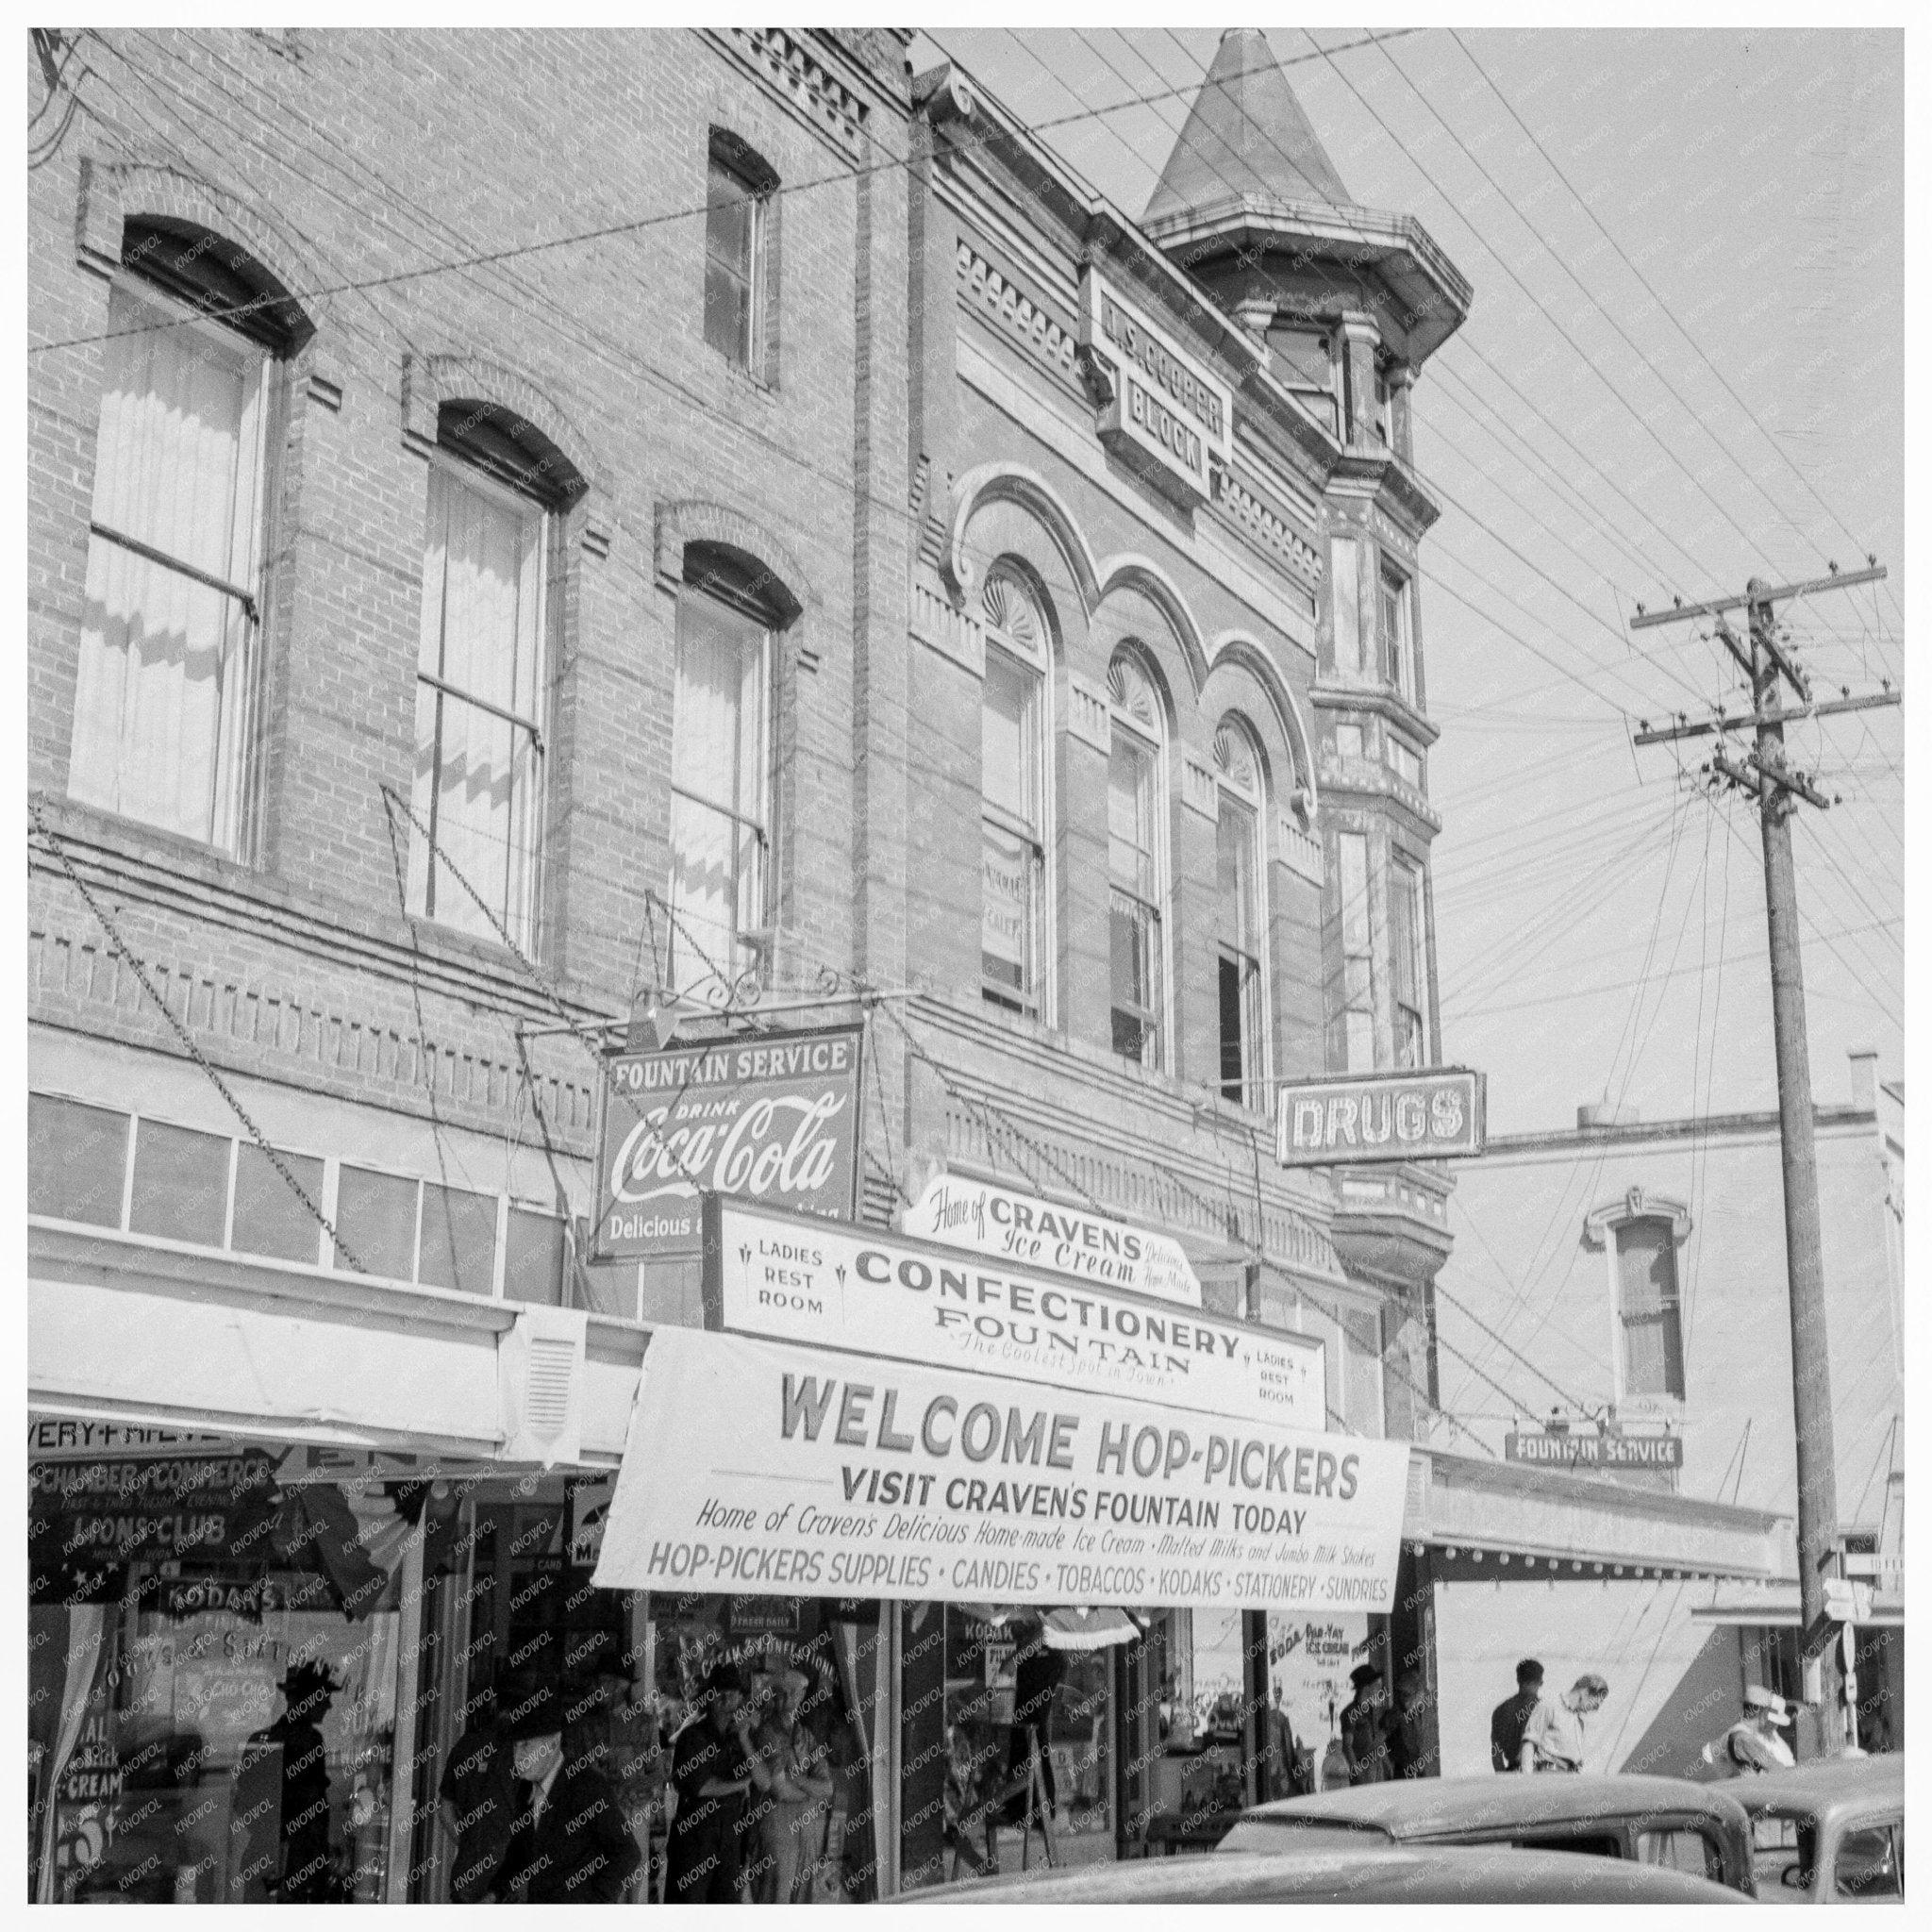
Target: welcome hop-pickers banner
<point>781,1469</point>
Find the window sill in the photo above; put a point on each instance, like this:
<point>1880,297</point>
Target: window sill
<point>115,854</point>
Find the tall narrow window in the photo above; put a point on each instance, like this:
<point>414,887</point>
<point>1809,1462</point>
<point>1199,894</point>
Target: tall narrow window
<point>1344,565</point>
<point>735,216</point>
<point>1649,1310</point>
<point>480,680</point>
<point>1305,364</point>
<point>719,760</point>
<point>164,722</point>
<point>1137,867</point>
<point>1352,1023</point>
<point>1382,408</point>
<point>1240,916</point>
<point>1398,644</point>
<point>1406,942</point>
<point>1012,822</point>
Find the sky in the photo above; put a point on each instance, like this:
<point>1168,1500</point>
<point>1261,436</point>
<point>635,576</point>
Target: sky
<point>1683,366</point>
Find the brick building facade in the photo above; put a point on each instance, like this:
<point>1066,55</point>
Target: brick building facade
<point>531,529</point>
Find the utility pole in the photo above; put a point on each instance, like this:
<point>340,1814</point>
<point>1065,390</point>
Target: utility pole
<point>1763,776</point>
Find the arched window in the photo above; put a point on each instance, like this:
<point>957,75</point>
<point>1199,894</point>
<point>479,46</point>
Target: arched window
<point>720,770</point>
<point>1240,912</point>
<point>482,671</point>
<point>1013,819</point>
<point>737,252</point>
<point>165,702</point>
<point>1136,862</point>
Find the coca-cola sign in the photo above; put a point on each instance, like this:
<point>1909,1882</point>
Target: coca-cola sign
<point>770,1118</point>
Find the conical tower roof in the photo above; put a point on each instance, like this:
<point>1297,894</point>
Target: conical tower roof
<point>1246,135</point>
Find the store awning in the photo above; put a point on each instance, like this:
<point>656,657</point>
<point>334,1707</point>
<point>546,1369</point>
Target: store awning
<point>1776,1607</point>
<point>1508,1521</point>
<point>123,1329</point>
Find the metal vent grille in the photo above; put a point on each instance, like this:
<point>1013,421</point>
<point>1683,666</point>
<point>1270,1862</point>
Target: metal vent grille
<point>546,1400</point>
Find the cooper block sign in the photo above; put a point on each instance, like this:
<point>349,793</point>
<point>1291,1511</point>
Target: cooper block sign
<point>773,1118</point>
<point>783,1471</point>
<point>863,1290</point>
<point>1167,412</point>
<point>1379,1117</point>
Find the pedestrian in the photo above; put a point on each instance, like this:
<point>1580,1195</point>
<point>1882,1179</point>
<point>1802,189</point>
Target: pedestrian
<point>478,1800</point>
<point>569,1843</point>
<point>1412,1750</point>
<point>1038,1671</point>
<point>792,1817</point>
<point>309,1875</point>
<point>710,1770</point>
<point>1281,1755</point>
<point>1363,1743</point>
<point>1553,1739</point>
<point>1752,1745</point>
<point>1508,1718</point>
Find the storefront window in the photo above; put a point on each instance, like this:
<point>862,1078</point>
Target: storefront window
<point>814,1678</point>
<point>173,1771</point>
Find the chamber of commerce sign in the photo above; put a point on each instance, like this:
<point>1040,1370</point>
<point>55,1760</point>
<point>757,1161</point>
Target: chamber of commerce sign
<point>781,1471</point>
<point>1588,1450</point>
<point>1166,408</point>
<point>773,1117</point>
<point>995,1220</point>
<point>1379,1117</point>
<point>858,1288</point>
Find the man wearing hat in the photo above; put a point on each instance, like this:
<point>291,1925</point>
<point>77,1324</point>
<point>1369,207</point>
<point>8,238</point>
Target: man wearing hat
<point>1364,1742</point>
<point>1752,1744</point>
<point>569,1843</point>
<point>308,1872</point>
<point>711,1770</point>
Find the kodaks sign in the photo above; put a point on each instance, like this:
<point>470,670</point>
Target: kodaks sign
<point>856,1289</point>
<point>965,1213</point>
<point>781,1471</point>
<point>773,1117</point>
<point>1167,410</point>
<point>1379,1117</point>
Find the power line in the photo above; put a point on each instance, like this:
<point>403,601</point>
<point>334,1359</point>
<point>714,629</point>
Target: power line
<point>636,224</point>
<point>1783,454</point>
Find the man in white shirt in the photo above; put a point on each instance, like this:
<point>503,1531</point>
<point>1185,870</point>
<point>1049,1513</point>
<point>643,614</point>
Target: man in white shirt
<point>1553,1739</point>
<point>1752,1745</point>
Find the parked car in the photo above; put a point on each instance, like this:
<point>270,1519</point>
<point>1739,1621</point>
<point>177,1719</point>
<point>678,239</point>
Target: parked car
<point>1700,1830</point>
<point>1828,1831</point>
<point>1358,1874</point>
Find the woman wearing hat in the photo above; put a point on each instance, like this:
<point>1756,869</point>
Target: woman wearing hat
<point>792,1811</point>
<point>1752,1744</point>
<point>1364,1739</point>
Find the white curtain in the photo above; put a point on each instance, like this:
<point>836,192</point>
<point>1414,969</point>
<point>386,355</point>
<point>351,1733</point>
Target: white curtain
<point>86,1625</point>
<point>161,707</point>
<point>717,769</point>
<point>477,774</point>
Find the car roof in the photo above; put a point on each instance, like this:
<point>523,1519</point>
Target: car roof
<point>1444,1874</point>
<point>1826,1786</point>
<point>1426,1807</point>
